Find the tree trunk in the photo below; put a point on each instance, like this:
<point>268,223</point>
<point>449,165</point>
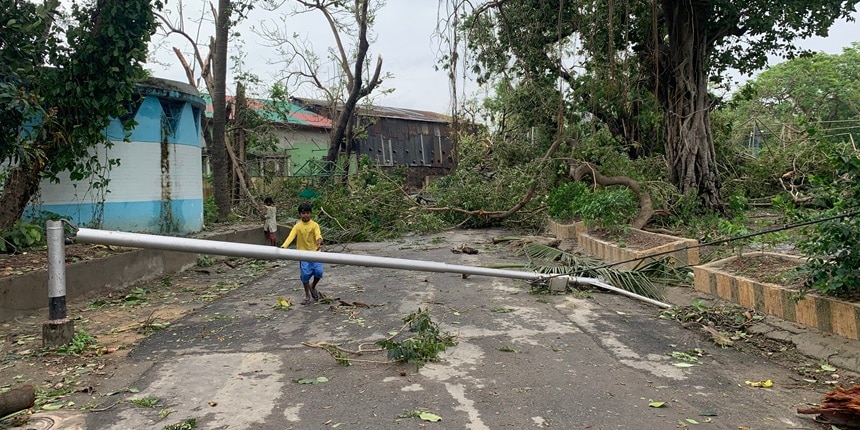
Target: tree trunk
<point>357,90</point>
<point>689,141</point>
<point>240,121</point>
<point>20,185</point>
<point>343,118</point>
<point>218,150</point>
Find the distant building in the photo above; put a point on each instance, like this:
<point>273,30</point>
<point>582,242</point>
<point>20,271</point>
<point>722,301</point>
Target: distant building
<point>301,139</point>
<point>419,140</point>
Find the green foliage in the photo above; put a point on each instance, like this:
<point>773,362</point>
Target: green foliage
<point>52,117</point>
<point>186,424</point>
<point>424,346</point>
<point>565,200</point>
<point>146,402</point>
<point>616,86</point>
<point>22,235</point>
<point>783,127</point>
<point>817,94</point>
<point>339,356</point>
<point>373,207</point>
<point>81,342</point>
<point>204,261</point>
<point>608,208</point>
<point>210,211</point>
<point>833,247</point>
<point>482,182</point>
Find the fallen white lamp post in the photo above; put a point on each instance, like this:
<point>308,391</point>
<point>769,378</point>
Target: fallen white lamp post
<point>230,249</point>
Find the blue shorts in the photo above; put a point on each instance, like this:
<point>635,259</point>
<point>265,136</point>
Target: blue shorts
<point>310,269</point>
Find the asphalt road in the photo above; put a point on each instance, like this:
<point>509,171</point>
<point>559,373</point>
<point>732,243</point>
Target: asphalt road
<point>521,360</point>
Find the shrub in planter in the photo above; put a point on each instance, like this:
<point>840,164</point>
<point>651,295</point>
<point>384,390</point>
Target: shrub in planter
<point>609,208</point>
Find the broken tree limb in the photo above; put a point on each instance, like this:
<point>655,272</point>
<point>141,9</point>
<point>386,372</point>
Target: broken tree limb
<point>235,165</point>
<point>646,209</point>
<point>840,407</point>
<point>17,399</point>
<point>189,72</point>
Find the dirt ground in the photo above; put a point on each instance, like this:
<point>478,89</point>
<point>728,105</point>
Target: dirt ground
<point>633,239</point>
<point>764,268</point>
<point>34,260</point>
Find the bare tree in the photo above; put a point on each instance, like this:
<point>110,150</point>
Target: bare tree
<point>349,23</point>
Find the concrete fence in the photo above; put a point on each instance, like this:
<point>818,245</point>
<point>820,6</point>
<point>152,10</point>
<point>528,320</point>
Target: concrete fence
<point>21,295</point>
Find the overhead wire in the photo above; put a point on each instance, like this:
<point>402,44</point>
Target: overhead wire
<point>734,238</point>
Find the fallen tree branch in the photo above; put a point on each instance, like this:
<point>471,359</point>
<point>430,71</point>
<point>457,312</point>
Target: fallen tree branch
<point>501,215</point>
<point>840,407</point>
<point>646,209</point>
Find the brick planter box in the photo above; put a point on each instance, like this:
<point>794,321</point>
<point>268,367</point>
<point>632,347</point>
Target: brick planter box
<point>565,231</point>
<point>683,251</point>
<point>826,314</point>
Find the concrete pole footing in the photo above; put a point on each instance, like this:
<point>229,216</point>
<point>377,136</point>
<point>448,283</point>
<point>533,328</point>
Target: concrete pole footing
<point>56,333</point>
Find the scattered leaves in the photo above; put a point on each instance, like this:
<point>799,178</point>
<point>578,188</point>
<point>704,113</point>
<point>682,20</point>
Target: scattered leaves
<point>425,345</point>
<point>317,380</point>
<point>760,384</point>
<point>283,304</point>
<point>146,402</point>
<point>427,416</point>
<point>188,424</point>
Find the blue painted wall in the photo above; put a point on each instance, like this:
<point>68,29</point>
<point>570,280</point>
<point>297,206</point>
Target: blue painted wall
<point>158,185</point>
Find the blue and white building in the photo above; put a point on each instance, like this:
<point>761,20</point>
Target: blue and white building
<point>157,187</point>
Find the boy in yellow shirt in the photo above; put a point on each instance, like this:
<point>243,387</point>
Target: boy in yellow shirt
<point>308,237</point>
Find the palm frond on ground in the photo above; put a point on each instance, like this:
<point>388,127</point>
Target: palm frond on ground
<point>647,279</point>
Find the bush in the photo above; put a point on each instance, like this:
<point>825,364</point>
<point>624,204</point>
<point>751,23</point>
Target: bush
<point>210,211</point>
<point>834,246</point>
<point>609,208</point>
<point>21,236</point>
<point>564,201</point>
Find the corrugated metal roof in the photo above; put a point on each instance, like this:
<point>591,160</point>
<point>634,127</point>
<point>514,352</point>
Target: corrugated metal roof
<point>278,112</point>
<point>384,111</point>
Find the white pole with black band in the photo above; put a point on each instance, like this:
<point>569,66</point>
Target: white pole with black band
<point>58,330</point>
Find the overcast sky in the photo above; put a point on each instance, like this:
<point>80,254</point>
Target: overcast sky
<point>405,37</point>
